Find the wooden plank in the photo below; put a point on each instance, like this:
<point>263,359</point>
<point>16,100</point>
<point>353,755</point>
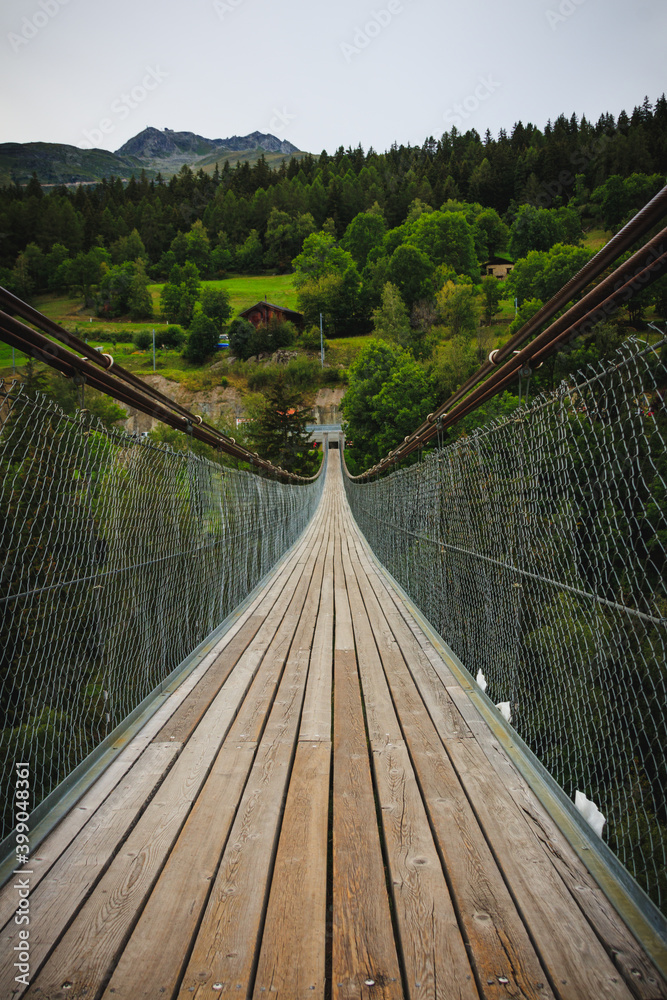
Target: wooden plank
<point>381,721</point>
<point>316,718</point>
<point>567,948</point>
<point>227,942</point>
<point>444,795</point>
<point>570,950</point>
<point>639,974</point>
<point>90,945</point>
<point>343,634</point>
<point>226,653</point>
<point>57,898</point>
<point>224,950</point>
<point>446,715</point>
<point>432,947</point>
<point>69,827</point>
<point>500,946</point>
<point>292,956</point>
<point>153,960</point>
<point>184,721</point>
<point>456,691</point>
<point>294,639</point>
<point>364,957</point>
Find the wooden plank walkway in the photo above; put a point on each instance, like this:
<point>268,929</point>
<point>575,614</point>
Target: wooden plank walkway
<point>318,811</point>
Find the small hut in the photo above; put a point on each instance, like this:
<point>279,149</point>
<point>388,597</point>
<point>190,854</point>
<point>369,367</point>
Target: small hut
<point>263,312</point>
<point>498,267</point>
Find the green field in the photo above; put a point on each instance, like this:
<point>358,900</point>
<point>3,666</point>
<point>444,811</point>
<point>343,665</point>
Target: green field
<point>70,313</point>
<point>595,239</point>
<point>245,291</point>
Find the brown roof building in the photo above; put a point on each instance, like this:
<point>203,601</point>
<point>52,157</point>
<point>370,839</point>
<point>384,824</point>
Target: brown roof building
<point>263,312</point>
<point>498,267</point>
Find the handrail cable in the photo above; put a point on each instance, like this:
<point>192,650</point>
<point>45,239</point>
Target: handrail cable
<point>115,381</point>
<point>539,350</point>
<point>623,283</point>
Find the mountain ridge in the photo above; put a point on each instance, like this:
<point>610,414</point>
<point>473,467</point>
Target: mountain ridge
<point>153,140</point>
<point>153,150</point>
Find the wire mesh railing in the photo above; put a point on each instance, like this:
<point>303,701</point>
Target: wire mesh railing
<point>118,558</point>
<point>537,547</point>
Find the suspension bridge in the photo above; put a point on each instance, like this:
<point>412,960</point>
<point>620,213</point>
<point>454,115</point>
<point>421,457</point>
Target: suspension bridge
<point>321,738</point>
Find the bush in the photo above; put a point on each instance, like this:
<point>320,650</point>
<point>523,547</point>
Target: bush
<point>303,372</point>
<point>279,333</point>
<point>242,339</point>
<point>330,376</point>
<point>309,340</point>
<point>173,336</point>
<point>121,337</point>
<point>271,338</point>
<point>262,376</point>
<point>202,339</point>
<point>142,340</point>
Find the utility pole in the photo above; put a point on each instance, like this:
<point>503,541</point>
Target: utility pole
<point>153,348</point>
<point>321,342</point>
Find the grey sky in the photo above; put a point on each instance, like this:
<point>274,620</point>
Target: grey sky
<point>320,74</point>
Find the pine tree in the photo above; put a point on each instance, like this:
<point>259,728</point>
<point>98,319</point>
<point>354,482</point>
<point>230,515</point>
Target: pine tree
<point>279,432</point>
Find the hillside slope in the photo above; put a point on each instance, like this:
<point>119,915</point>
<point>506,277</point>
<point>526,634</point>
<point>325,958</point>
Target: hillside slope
<point>58,163</point>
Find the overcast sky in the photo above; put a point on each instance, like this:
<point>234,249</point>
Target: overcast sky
<point>321,74</point>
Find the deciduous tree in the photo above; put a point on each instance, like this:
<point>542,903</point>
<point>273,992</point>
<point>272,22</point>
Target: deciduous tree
<point>391,319</point>
<point>411,271</point>
<point>389,394</point>
<point>459,308</point>
<point>216,305</point>
<point>491,293</point>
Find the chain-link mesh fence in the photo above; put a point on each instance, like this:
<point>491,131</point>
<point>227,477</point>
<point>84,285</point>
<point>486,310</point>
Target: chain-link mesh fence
<point>537,548</point>
<point>118,558</point>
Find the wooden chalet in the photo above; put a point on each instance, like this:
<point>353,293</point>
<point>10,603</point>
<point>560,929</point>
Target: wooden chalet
<point>263,312</point>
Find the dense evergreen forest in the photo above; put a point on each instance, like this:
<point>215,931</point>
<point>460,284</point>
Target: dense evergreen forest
<point>254,218</point>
